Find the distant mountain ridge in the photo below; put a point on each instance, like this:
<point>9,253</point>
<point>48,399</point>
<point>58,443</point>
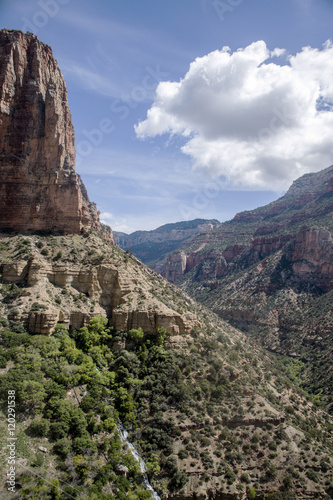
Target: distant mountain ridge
<point>308,202</point>
<point>311,181</point>
<point>150,246</point>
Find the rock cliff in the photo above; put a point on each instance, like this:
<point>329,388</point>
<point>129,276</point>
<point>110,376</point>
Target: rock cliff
<point>179,231</point>
<point>39,189</point>
<point>311,256</point>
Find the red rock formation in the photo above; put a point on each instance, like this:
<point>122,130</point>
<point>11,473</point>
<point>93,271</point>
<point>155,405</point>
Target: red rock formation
<point>312,257</point>
<point>263,230</point>
<point>39,188</point>
<point>266,246</point>
<point>232,251</point>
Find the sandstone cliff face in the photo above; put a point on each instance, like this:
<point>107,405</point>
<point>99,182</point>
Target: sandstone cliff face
<point>39,188</point>
<point>269,272</point>
<point>214,264</point>
<point>256,234</point>
<point>175,266</point>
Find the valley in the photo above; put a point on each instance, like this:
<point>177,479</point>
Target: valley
<point>221,379</point>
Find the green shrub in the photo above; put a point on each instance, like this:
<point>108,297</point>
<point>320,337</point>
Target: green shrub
<point>58,430</point>
<point>62,447</point>
<point>178,481</point>
<point>84,444</point>
<point>58,256</point>
<point>244,478</point>
<point>39,428</point>
<point>182,454</point>
<point>38,307</point>
<point>39,460</point>
<point>312,475</point>
<point>287,482</point>
<point>12,339</point>
<point>251,493</point>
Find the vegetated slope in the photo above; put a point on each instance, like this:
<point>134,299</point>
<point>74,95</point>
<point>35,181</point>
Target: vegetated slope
<point>152,246</point>
<point>270,272</point>
<point>211,413</point>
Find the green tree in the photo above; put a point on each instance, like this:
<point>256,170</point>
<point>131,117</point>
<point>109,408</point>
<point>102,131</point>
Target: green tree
<point>287,482</point>
<point>60,329</point>
<point>39,428</point>
<point>178,481</point>
<point>31,395</point>
<point>62,447</point>
<point>125,404</point>
<point>94,333</point>
<point>136,335</point>
<point>152,465</point>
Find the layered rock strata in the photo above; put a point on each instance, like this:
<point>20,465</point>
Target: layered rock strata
<point>39,189</point>
<point>73,292</point>
<point>302,216</point>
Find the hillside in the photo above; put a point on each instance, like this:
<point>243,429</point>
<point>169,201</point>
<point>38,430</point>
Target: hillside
<point>209,411</point>
<point>152,246</point>
<point>269,272</point>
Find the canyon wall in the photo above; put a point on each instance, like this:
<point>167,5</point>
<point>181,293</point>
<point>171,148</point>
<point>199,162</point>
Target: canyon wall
<point>39,189</point>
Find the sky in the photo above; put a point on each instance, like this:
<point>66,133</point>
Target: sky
<point>190,108</point>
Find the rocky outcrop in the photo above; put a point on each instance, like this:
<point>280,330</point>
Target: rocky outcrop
<point>215,264</point>
<point>311,256</point>
<point>175,266</point>
<point>73,292</point>
<point>266,246</point>
<point>39,189</point>
<point>254,235</point>
<point>310,183</point>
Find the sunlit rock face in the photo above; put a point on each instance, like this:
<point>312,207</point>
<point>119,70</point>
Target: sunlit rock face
<point>39,189</point>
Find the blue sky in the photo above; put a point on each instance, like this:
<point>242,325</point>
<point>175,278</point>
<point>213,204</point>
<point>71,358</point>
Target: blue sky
<point>172,125</point>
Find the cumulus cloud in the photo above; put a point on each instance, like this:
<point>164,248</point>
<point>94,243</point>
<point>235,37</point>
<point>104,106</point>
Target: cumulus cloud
<point>106,217</point>
<point>257,116</point>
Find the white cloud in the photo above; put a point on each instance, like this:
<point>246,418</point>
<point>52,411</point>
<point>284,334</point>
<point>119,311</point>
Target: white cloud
<point>106,217</point>
<point>260,123</point>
